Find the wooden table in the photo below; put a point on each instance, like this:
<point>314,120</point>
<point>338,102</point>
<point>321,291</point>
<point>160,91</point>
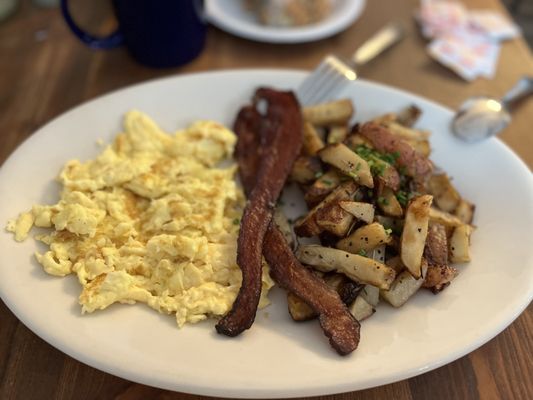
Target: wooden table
<point>45,71</point>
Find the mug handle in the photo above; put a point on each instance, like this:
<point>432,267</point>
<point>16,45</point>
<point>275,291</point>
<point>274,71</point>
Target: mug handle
<point>114,39</point>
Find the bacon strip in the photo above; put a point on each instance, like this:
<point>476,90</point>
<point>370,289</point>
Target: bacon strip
<point>248,149</point>
<point>281,136</point>
<point>416,165</point>
<point>338,324</point>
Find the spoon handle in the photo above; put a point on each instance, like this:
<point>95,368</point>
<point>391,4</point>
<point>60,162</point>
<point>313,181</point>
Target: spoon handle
<point>522,88</point>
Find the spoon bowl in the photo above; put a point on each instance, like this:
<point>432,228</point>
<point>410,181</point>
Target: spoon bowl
<point>479,118</point>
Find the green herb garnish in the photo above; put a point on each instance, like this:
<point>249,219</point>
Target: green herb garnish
<point>390,157</point>
<point>378,162</point>
<point>367,153</point>
<point>353,175</point>
<point>383,200</point>
<point>402,197</point>
<point>377,168</point>
<point>363,151</point>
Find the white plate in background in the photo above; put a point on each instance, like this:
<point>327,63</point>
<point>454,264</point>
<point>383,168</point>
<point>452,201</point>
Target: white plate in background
<point>230,16</point>
<point>277,357</point>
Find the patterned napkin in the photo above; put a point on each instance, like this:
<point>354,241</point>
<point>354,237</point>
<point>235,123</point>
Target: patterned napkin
<point>468,42</point>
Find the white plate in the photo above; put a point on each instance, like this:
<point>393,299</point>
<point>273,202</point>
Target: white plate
<point>276,358</point>
<point>230,16</point>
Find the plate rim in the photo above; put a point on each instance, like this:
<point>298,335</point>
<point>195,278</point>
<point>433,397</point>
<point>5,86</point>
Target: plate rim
<point>214,14</point>
<point>107,367</point>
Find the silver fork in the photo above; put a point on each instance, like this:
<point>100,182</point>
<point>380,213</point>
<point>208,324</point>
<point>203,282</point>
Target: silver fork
<point>333,73</point>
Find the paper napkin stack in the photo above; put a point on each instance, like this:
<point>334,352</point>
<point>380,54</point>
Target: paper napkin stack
<point>466,41</point>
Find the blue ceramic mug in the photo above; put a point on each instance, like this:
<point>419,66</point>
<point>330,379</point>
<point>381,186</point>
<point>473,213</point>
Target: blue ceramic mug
<point>157,33</point>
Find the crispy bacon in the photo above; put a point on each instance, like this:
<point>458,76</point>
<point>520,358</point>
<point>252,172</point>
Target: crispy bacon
<point>416,165</point>
<point>281,141</point>
<point>248,149</point>
<point>338,324</point>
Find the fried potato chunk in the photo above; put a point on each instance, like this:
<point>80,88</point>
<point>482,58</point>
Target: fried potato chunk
<point>414,234</point>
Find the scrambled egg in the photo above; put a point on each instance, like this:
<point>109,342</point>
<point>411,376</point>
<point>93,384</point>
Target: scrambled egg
<point>152,219</point>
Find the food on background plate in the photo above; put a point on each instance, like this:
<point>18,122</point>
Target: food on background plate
<point>288,13</point>
<point>151,219</point>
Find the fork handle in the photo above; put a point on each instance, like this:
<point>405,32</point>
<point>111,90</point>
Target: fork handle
<point>377,44</point>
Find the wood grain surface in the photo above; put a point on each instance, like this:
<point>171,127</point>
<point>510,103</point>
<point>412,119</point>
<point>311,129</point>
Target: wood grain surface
<point>44,71</point>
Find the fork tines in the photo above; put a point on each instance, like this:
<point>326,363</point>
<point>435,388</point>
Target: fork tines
<point>325,81</point>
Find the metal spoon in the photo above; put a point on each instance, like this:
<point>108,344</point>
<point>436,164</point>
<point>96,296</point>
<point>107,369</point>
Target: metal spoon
<point>482,117</point>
